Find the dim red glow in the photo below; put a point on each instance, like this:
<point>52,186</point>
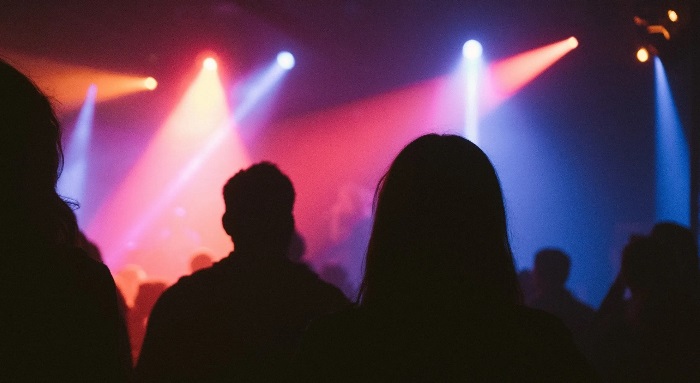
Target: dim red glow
<point>508,76</point>
<point>170,202</point>
<point>68,83</point>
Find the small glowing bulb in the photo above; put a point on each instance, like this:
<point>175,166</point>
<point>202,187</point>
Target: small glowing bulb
<point>572,41</point>
<point>210,63</point>
<point>150,83</point>
<point>642,55</point>
<point>285,60</point>
<point>672,15</point>
<point>472,49</point>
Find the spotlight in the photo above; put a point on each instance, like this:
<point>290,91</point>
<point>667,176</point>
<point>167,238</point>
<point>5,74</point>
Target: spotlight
<point>209,63</point>
<point>672,15</point>
<point>472,49</point>
<point>643,55</point>
<point>572,41</point>
<point>150,83</point>
<point>285,60</point>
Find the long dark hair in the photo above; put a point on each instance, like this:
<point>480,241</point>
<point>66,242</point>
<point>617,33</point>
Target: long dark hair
<point>439,229</point>
<point>30,164</point>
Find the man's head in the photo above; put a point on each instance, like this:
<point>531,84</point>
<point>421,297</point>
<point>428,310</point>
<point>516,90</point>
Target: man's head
<point>259,203</point>
<point>551,269</point>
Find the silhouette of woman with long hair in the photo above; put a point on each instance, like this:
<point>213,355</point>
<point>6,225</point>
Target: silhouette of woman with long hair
<point>59,318</point>
<point>440,299</point>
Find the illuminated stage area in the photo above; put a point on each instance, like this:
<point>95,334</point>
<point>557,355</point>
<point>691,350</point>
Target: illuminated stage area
<point>583,107</point>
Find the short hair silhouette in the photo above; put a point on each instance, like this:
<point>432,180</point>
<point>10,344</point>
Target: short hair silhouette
<point>31,159</point>
<point>440,228</point>
<point>259,203</point>
<point>551,268</point>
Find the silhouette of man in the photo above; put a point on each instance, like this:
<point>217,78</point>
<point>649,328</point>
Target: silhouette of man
<point>549,276</point>
<point>242,318</point>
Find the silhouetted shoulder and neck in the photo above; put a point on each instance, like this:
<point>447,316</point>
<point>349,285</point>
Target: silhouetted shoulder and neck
<point>440,299</point>
<point>60,320</point>
<point>551,295</point>
<point>242,318</point>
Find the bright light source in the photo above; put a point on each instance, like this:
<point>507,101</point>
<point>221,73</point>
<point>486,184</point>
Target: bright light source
<point>150,83</point>
<point>472,49</point>
<point>285,60</point>
<point>210,63</point>
<point>672,15</point>
<point>573,42</point>
<point>643,55</point>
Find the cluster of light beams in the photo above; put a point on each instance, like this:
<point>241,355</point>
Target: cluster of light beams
<point>68,83</point>
<point>507,77</point>
<point>185,166</point>
<point>202,111</point>
<point>672,155</point>
<point>71,184</point>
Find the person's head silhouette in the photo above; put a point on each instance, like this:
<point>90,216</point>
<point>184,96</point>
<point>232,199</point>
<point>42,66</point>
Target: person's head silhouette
<point>259,203</point>
<point>440,228</point>
<point>30,163</point>
<point>551,269</point>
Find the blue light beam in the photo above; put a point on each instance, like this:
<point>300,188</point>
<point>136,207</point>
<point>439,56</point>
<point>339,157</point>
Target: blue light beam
<point>258,86</point>
<point>71,184</point>
<point>472,52</point>
<point>672,155</point>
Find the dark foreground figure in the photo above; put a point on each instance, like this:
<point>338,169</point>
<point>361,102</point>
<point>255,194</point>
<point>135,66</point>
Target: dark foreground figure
<point>654,336</point>
<point>59,320</point>
<point>242,318</point>
<point>440,299</point>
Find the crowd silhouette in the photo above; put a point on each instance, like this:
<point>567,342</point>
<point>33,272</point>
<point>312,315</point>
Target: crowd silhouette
<point>439,300</point>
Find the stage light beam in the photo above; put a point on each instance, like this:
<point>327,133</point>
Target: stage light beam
<point>71,184</point>
<point>66,83</point>
<point>672,155</point>
<point>672,15</point>
<point>508,76</point>
<point>210,64</point>
<point>150,83</point>
<point>286,60</point>
<point>643,55</point>
<point>472,49</point>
